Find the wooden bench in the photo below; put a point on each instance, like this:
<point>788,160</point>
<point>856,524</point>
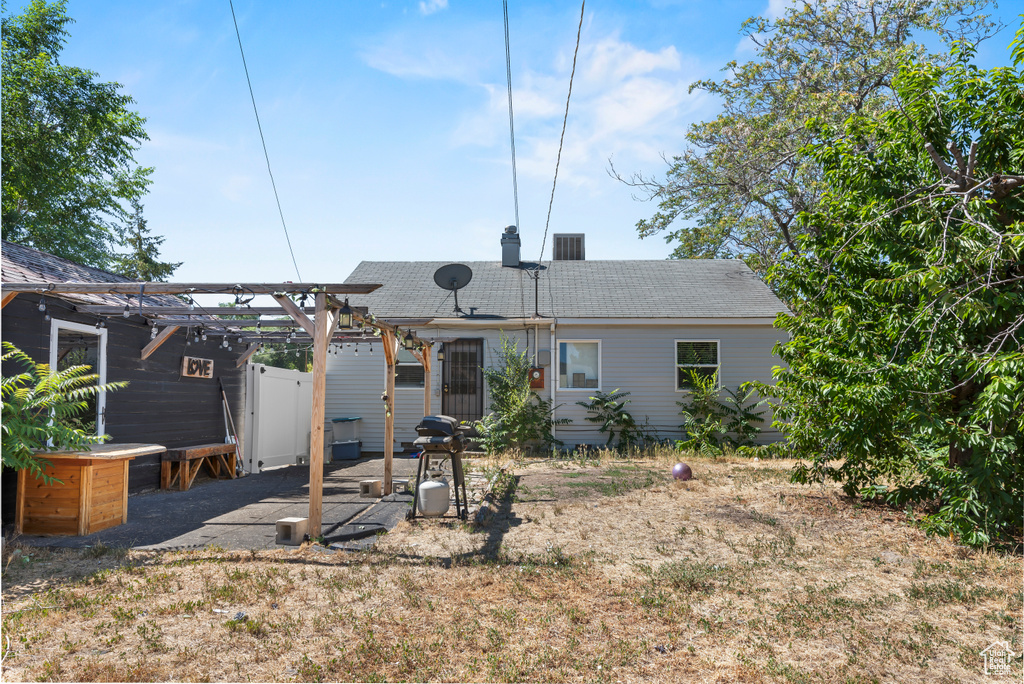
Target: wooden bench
<point>181,465</point>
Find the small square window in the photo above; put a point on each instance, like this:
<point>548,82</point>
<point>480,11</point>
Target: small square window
<point>408,371</point>
<point>695,356</point>
<point>579,365</point>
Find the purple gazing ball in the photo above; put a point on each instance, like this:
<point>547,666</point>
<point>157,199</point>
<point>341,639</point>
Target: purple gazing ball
<point>681,471</point>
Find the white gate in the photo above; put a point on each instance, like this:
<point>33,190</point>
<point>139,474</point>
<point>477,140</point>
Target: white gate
<point>278,406</point>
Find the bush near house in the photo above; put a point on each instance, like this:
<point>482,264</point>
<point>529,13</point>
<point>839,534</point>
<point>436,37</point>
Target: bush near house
<point>42,410</point>
<point>518,416</point>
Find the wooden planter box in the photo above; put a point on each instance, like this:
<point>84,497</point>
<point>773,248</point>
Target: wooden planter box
<point>92,494</point>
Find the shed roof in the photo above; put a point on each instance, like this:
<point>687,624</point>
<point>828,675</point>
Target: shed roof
<point>675,288</point>
<point>21,264</point>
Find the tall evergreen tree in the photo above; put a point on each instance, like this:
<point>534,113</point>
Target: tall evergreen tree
<point>140,262</point>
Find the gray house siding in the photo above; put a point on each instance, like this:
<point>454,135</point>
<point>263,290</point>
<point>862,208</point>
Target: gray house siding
<point>638,358</point>
<point>355,385</point>
<point>641,360</point>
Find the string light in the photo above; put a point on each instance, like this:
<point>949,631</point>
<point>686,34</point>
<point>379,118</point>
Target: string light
<point>125,314</point>
<point>42,305</point>
<point>152,333</point>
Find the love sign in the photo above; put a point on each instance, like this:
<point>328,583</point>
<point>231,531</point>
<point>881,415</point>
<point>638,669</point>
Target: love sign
<point>196,368</point>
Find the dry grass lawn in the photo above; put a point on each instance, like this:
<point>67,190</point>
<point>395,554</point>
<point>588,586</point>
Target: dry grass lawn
<point>588,571</point>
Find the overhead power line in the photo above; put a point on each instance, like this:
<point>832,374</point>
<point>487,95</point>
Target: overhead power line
<point>263,140</point>
<point>561,140</point>
<point>511,125</point>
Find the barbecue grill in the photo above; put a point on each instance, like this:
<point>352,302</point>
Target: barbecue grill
<point>441,438</point>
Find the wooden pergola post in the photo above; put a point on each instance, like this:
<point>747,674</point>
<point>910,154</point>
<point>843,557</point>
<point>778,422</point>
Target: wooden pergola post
<point>390,358</point>
<point>424,358</point>
<point>323,323</point>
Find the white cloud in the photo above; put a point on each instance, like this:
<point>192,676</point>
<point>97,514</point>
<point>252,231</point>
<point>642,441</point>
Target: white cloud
<point>431,6</point>
<point>446,52</point>
<point>612,59</point>
<point>627,101</point>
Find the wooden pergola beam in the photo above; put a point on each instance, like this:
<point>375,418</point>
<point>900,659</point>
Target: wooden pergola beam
<point>7,297</point>
<point>293,310</point>
<point>190,288</point>
<point>161,337</point>
<point>198,314</point>
<point>231,322</point>
<point>253,348</point>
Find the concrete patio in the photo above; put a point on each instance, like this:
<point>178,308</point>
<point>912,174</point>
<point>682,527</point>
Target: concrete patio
<point>241,514</point>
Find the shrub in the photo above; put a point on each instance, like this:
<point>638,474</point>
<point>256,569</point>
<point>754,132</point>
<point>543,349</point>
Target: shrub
<point>709,423</point>
<point>518,415</point>
<point>41,406</point>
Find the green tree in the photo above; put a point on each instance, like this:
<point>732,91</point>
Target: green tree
<point>141,262</point>
<point>282,355</point>
<point>68,145</point>
<point>741,184</point>
<point>905,375</point>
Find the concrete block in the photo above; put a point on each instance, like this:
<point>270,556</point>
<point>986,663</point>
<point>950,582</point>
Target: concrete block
<point>291,531</point>
<point>370,489</point>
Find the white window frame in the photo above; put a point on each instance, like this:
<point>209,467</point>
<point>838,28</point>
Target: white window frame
<point>676,365</point>
<point>558,366</point>
<point>56,326</point>
<point>416,388</point>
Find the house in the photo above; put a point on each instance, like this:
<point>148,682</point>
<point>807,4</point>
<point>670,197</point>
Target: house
<point>160,405</point>
<point>588,325</point>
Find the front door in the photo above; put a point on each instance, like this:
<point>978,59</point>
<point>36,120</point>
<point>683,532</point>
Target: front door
<point>462,377</point>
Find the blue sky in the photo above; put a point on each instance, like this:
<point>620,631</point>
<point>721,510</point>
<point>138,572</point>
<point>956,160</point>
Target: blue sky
<point>387,123</point>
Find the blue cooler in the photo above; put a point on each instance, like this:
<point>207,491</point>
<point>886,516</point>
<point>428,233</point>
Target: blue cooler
<point>349,450</point>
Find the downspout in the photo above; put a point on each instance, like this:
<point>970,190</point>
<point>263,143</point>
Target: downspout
<point>554,373</point>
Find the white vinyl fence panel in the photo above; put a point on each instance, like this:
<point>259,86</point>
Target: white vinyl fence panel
<point>278,405</point>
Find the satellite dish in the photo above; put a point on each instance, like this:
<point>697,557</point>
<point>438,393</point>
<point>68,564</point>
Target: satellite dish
<point>453,277</point>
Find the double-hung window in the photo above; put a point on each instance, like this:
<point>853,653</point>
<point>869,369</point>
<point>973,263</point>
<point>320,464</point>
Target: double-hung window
<point>579,364</point>
<point>408,371</point>
<point>695,356</point>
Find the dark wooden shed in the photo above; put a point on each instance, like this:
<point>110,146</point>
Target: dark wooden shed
<point>159,406</point>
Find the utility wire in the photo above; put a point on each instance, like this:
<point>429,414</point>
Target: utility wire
<point>561,140</point>
<point>263,140</point>
<point>511,125</point>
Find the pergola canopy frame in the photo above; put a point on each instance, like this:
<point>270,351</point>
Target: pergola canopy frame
<point>321,330</point>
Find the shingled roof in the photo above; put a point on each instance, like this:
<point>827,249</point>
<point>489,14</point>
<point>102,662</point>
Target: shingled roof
<point>677,288</point>
<point>21,264</point>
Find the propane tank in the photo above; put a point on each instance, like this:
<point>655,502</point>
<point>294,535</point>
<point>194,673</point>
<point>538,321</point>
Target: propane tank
<point>434,495</point>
